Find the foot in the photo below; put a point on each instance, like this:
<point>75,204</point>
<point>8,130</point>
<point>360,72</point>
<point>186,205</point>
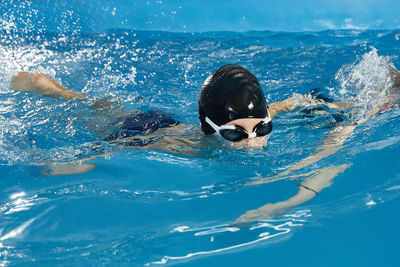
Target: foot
<point>23,82</point>
<point>40,83</point>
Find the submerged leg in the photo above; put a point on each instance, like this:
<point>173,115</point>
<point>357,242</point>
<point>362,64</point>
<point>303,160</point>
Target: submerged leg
<point>40,83</point>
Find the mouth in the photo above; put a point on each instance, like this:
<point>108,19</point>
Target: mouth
<point>251,143</point>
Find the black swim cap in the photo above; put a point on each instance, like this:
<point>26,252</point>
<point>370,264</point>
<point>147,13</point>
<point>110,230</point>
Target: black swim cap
<point>230,93</point>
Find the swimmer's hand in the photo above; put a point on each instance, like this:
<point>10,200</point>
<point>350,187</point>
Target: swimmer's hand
<point>40,83</point>
<point>266,212</point>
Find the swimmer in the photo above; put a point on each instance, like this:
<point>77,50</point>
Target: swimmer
<point>232,106</point>
<point>231,96</point>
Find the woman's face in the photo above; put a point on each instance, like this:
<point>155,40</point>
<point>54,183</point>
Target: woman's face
<point>248,124</point>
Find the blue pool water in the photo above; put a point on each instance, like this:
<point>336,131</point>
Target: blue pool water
<point>139,207</point>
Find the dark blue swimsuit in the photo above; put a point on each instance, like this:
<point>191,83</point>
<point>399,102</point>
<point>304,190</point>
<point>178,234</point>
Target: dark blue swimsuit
<point>141,124</point>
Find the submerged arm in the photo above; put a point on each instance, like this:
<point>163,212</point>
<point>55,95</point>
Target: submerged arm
<point>310,187</point>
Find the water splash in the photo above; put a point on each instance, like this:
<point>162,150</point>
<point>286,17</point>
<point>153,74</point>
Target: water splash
<point>367,82</point>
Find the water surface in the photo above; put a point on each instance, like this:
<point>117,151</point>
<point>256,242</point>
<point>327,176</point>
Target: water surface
<point>150,207</point>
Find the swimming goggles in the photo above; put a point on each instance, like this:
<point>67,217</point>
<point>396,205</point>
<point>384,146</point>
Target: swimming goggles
<point>236,133</point>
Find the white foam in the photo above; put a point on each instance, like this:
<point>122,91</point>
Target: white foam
<point>366,82</point>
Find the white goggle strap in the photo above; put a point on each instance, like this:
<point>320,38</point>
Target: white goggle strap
<point>218,128</point>
<point>213,125</point>
<point>268,119</point>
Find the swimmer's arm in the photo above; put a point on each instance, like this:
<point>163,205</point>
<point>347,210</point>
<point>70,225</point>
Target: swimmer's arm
<point>310,187</point>
<point>297,100</point>
<point>279,107</point>
<point>40,83</point>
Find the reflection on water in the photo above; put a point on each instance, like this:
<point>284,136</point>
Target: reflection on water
<point>216,239</point>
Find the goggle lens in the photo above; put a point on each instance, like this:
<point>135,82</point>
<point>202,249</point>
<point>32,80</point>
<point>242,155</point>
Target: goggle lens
<point>263,128</point>
<point>237,134</point>
<point>233,135</point>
